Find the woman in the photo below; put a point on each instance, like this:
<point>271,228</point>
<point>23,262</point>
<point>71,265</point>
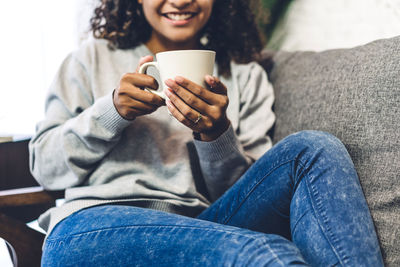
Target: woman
<point>147,188</point>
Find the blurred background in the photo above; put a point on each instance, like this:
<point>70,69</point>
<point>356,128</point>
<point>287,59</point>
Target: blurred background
<point>324,24</point>
<point>37,35</point>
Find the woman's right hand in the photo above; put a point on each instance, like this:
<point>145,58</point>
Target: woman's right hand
<point>131,100</point>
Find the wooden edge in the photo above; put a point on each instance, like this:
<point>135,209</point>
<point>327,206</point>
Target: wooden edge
<point>19,191</point>
<point>24,196</point>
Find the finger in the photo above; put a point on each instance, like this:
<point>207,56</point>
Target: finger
<point>134,92</point>
<point>144,60</point>
<point>196,89</point>
<point>140,80</point>
<point>187,96</point>
<point>179,116</point>
<point>216,85</point>
<point>133,113</point>
<point>138,105</point>
<point>130,110</point>
<point>217,97</point>
<point>182,107</point>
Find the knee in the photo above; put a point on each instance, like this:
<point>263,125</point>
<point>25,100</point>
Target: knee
<point>316,140</point>
<point>308,143</point>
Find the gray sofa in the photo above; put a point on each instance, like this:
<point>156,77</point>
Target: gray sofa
<point>355,95</point>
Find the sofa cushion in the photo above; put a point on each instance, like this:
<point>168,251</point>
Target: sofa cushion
<point>355,95</point>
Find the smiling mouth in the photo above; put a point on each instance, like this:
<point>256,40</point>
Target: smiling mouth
<point>179,16</point>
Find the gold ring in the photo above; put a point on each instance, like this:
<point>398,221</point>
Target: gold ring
<point>198,118</point>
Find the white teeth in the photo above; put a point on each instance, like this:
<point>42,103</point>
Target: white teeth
<point>177,17</point>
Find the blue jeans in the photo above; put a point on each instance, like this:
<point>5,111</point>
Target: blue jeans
<point>300,204</point>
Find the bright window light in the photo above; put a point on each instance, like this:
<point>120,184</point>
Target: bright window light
<point>36,37</point>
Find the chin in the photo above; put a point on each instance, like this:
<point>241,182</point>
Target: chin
<point>180,37</point>
<point>181,42</point>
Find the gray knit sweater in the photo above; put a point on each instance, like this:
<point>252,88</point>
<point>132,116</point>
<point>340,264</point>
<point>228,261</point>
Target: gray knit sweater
<point>84,146</point>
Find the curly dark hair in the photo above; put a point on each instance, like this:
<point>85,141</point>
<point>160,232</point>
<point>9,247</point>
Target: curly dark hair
<point>232,30</point>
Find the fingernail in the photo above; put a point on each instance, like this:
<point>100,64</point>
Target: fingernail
<point>210,79</point>
<point>179,79</point>
<point>169,82</point>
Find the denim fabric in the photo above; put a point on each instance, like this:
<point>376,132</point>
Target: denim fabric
<point>300,204</point>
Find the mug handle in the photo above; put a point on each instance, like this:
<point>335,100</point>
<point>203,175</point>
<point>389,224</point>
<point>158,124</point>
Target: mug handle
<point>143,70</point>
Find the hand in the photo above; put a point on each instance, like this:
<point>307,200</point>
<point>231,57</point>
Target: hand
<point>200,109</point>
<point>131,100</point>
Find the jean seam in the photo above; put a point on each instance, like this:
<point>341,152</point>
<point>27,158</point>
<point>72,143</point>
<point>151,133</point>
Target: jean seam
<point>60,238</point>
<point>253,188</point>
<point>322,220</point>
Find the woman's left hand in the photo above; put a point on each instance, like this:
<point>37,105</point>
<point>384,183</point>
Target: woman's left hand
<point>200,109</point>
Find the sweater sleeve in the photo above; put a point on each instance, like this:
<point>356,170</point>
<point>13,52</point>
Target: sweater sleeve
<point>77,132</point>
<point>225,159</point>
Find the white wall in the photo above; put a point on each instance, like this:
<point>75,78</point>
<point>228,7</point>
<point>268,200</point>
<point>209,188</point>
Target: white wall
<point>36,37</point>
<point>326,24</point>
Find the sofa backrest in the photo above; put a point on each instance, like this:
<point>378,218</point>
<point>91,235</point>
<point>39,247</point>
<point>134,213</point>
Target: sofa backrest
<point>355,95</point>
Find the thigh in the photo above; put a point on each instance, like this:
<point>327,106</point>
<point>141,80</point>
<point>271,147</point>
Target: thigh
<point>116,235</point>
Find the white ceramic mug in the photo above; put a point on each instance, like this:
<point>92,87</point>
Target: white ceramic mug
<point>190,64</point>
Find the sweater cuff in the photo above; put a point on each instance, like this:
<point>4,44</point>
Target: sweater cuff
<point>108,115</point>
<point>223,147</point>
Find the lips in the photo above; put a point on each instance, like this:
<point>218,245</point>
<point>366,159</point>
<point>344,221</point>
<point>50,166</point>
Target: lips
<point>174,16</point>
